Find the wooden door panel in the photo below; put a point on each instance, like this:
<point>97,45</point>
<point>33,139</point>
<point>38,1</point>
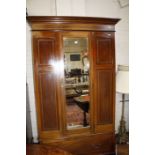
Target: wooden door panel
<point>104,77</point>
<point>46,51</point>
<point>48,101</point>
<point>104,45</point>
<point>46,54</point>
<point>103,51</point>
<point>104,97</point>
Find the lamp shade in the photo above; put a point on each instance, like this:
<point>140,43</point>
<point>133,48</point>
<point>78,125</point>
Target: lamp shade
<point>122,79</point>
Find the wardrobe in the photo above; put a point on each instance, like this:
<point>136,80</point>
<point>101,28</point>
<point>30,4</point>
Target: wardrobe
<point>74,81</point>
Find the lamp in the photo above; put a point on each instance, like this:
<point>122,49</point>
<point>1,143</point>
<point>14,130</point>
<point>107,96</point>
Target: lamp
<point>122,86</point>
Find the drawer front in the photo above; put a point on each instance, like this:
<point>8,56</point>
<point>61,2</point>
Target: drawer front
<point>89,145</point>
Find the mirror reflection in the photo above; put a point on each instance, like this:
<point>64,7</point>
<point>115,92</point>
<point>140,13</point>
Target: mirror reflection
<point>76,72</point>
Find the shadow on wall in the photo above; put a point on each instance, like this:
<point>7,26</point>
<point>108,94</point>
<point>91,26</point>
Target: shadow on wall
<point>29,137</point>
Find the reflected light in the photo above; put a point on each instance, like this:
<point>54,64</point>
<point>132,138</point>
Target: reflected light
<point>58,66</point>
<point>88,65</point>
<point>75,42</point>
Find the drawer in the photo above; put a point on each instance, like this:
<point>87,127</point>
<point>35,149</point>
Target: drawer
<point>90,145</point>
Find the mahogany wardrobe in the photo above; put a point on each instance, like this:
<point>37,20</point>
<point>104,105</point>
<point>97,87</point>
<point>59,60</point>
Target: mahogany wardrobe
<point>74,81</point>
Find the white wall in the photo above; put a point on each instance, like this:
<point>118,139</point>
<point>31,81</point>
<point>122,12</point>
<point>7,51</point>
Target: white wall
<point>94,8</point>
<point>29,79</point>
<point>41,7</point>
<point>70,7</point>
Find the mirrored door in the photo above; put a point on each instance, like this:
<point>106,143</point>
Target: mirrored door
<point>77,82</point>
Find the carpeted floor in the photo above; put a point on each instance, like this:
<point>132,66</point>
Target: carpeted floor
<point>75,115</point>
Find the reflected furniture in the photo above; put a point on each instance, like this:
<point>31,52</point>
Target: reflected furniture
<point>48,41</point>
<point>83,102</point>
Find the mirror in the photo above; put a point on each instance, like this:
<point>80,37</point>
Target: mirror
<point>76,71</point>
